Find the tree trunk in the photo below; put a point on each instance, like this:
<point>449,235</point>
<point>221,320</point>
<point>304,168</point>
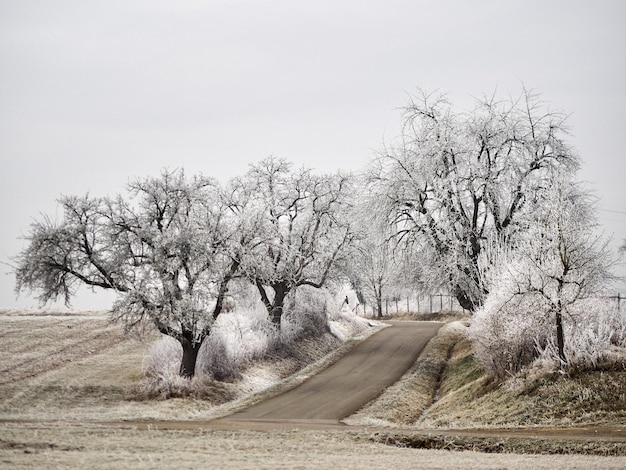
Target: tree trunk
<point>275,306</point>
<point>219,303</point>
<point>190,356</point>
<point>560,337</point>
<point>464,300</point>
<point>276,312</point>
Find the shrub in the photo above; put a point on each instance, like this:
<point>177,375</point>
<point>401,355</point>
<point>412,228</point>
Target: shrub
<point>506,333</point>
<point>161,378</point>
<point>238,338</point>
<point>594,328</point>
<point>509,333</point>
<point>306,314</point>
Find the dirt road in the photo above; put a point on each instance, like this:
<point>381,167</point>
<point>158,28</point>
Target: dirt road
<point>358,377</point>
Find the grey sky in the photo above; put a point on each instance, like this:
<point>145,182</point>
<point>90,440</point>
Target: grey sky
<point>93,93</point>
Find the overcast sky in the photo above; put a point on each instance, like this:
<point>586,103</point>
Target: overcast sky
<point>94,93</point>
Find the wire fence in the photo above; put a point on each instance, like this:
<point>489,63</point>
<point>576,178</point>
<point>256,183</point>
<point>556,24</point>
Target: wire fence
<point>435,303</point>
<point>425,303</point>
<point>619,298</point>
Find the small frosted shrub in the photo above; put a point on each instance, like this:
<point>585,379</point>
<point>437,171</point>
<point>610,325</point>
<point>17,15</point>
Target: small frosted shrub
<point>305,315</point>
<point>164,357</point>
<point>505,333</point>
<point>216,360</point>
<point>508,335</point>
<point>594,328</point>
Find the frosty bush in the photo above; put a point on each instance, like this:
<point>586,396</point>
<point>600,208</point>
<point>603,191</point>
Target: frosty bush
<point>161,376</point>
<point>506,333</point>
<point>509,334</point>
<point>238,338</point>
<point>306,314</point>
<point>595,330</point>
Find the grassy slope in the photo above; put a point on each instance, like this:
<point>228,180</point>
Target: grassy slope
<point>446,389</point>
<point>535,397</point>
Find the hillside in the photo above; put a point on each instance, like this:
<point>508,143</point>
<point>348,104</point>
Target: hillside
<point>447,390</point>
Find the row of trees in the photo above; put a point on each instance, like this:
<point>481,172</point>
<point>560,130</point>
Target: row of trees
<point>456,200</point>
<point>172,245</point>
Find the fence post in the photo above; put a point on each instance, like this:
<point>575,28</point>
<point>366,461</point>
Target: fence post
<point>619,299</point>
<point>408,310</point>
<point>431,303</point>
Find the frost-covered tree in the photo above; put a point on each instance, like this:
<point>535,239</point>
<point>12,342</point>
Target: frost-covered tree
<point>562,258</point>
<point>300,234</point>
<point>542,284</point>
<point>371,271</point>
<point>455,180</point>
<point>372,267</point>
<point>164,248</point>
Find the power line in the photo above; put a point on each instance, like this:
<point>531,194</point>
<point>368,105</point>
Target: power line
<point>613,211</point>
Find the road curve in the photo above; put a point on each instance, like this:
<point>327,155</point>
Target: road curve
<point>357,378</point>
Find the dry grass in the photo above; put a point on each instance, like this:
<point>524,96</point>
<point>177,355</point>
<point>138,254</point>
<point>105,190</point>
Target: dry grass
<point>63,445</point>
<point>531,398</point>
<point>35,344</point>
<point>502,444</point>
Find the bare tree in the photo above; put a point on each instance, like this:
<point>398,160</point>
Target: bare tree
<point>452,181</point>
<point>164,249</point>
<point>301,235</point>
<point>372,271</point>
